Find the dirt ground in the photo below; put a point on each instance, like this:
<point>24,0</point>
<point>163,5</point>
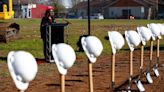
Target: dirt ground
<point>48,79</point>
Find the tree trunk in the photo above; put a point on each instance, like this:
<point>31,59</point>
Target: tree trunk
<point>149,13</point>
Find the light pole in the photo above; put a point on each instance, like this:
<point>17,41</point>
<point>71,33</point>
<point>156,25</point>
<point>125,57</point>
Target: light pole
<point>89,19</point>
<point>156,8</point>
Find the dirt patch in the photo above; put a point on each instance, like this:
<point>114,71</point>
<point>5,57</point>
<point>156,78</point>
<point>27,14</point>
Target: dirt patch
<point>47,79</point>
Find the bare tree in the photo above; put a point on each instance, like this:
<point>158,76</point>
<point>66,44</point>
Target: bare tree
<point>74,2</point>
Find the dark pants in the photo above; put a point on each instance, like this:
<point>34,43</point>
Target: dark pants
<point>44,50</point>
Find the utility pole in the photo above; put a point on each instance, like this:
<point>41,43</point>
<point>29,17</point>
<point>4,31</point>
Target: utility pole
<point>89,20</point>
<point>156,8</point>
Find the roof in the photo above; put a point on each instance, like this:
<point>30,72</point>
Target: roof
<point>93,3</point>
<point>124,3</point>
<point>154,2</point>
<point>131,3</point>
<point>117,3</point>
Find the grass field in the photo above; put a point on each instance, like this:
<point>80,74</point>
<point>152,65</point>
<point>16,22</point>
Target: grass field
<point>29,36</point>
<point>29,39</point>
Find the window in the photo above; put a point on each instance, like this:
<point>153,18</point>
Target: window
<point>29,13</point>
<point>126,12</point>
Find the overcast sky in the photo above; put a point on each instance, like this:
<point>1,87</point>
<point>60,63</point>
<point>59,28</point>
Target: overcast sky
<point>67,3</point>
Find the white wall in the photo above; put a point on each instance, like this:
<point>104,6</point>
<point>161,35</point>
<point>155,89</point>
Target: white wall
<point>117,11</point>
<point>26,11</point>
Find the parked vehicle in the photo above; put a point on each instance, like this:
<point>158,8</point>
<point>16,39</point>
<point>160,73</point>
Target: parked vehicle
<point>71,16</point>
<point>160,16</point>
<point>97,16</point>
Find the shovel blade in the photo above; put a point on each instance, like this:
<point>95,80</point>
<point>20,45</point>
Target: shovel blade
<point>140,86</point>
<point>148,77</point>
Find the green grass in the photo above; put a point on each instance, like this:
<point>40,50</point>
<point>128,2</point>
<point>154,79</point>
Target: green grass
<point>29,36</point>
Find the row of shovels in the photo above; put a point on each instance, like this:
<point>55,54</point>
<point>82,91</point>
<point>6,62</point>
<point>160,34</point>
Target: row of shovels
<point>134,38</point>
<point>23,67</point>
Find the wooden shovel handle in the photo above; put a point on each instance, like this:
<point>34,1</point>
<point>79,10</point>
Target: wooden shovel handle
<point>90,78</point>
<point>158,47</point>
<point>113,68</point>
<point>142,54</point>
<point>151,50</point>
<point>131,63</point>
<point>62,83</point>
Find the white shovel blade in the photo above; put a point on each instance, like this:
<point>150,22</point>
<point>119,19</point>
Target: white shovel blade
<point>129,90</point>
<point>156,72</point>
<point>140,86</point>
<point>148,77</point>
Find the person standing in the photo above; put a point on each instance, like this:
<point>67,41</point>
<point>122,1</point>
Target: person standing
<point>48,19</point>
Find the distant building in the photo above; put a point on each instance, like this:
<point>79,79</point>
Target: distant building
<point>96,7</point>
<point>125,8</point>
<point>161,6</point>
<point>29,8</point>
<point>33,10</point>
<point>120,8</point>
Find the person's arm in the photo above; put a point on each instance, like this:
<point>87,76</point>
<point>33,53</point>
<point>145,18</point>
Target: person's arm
<point>43,27</point>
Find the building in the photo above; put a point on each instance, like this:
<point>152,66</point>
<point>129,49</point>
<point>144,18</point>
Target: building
<point>29,8</point>
<point>125,8</point>
<point>119,8</point>
<point>33,10</point>
<point>161,6</point>
<point>96,7</point>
